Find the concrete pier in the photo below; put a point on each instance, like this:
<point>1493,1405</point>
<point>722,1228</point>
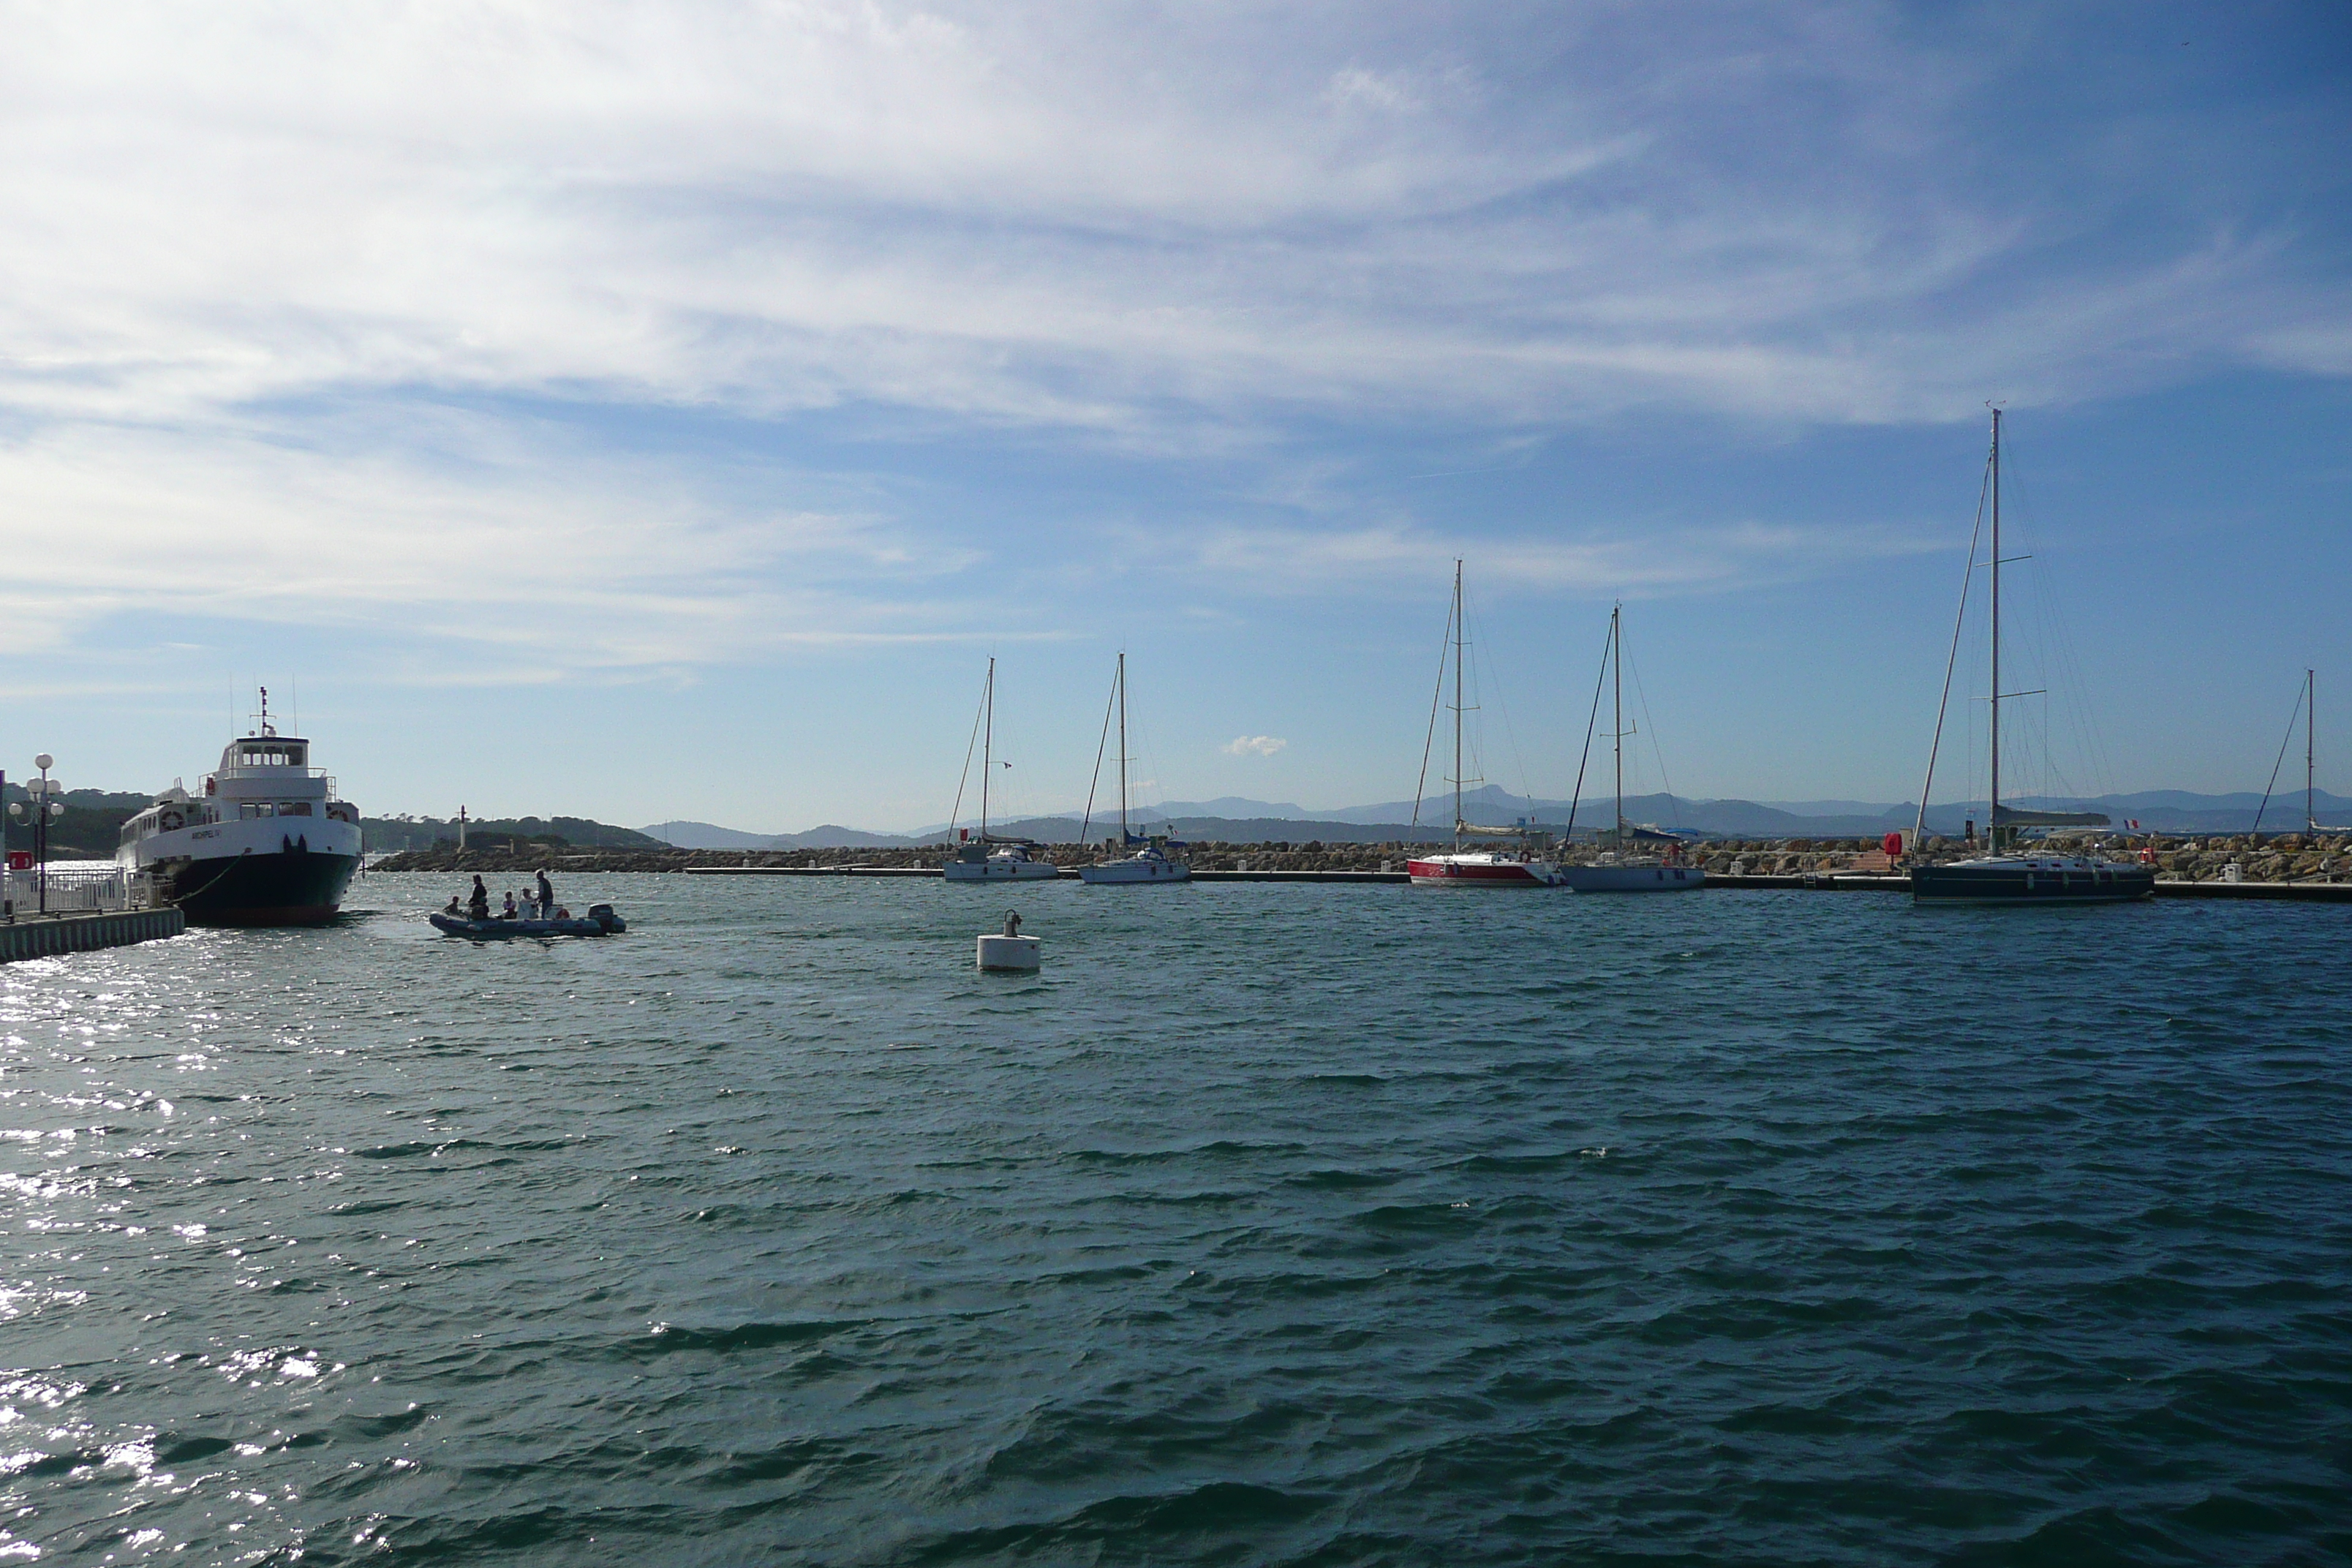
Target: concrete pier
<point>43,936</point>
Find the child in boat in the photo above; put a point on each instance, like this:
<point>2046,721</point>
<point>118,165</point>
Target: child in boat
<point>453,912</point>
<point>508,912</point>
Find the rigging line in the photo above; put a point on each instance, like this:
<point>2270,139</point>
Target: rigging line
<point>1092,784</point>
<point>1435,697</point>
<point>2284,742</point>
<point>1600,682</point>
<point>1952,662</point>
<point>969,747</point>
<point>1656,751</point>
<point>2080,716</point>
<point>1510,737</point>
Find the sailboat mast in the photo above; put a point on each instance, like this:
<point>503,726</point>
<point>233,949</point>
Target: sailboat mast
<point>1992,815</point>
<point>2310,718</point>
<point>987,743</point>
<point>1617,665</point>
<point>1122,750</point>
<point>1457,705</point>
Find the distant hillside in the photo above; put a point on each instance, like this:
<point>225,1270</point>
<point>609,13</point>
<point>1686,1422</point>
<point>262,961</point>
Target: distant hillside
<point>90,829</point>
<point>390,834</point>
<point>709,835</point>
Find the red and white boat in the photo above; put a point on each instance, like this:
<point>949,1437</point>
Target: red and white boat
<point>1485,869</point>
<point>1461,868</point>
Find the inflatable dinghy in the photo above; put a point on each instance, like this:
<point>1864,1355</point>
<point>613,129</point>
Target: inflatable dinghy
<point>600,922</point>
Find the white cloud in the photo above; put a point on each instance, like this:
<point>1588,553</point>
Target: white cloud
<point>1254,746</point>
<point>1345,559</point>
<point>1066,215</point>
<point>540,560</point>
<point>242,246</point>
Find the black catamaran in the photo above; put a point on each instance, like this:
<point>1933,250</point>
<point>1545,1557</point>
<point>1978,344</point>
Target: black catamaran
<point>2005,875</point>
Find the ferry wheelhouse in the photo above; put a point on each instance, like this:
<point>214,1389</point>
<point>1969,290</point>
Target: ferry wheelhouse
<point>263,841</point>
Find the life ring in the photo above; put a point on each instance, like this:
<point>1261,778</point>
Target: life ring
<point>169,822</point>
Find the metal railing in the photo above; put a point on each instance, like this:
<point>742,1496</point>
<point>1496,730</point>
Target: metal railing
<point>75,887</point>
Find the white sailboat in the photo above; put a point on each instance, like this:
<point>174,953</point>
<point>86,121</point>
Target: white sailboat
<point>988,857</point>
<point>1519,867</point>
<point>2005,876</point>
<point>1150,863</point>
<point>1617,871</point>
<point>2306,708</point>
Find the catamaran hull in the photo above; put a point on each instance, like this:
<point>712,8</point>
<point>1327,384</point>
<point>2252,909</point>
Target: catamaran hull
<point>1632,878</point>
<point>1446,871</point>
<point>1967,884</point>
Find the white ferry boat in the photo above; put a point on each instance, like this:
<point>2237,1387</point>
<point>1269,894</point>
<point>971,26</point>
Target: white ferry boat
<point>263,842</point>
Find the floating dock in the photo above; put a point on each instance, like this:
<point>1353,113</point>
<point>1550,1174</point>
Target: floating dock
<point>46,936</point>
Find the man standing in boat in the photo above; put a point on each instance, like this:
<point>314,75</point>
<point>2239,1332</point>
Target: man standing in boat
<point>546,895</point>
<point>479,906</point>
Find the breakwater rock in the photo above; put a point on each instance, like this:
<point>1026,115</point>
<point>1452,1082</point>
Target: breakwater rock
<point>2273,858</point>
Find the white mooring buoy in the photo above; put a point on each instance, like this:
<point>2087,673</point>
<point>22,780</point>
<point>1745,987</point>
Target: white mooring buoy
<point>1009,948</point>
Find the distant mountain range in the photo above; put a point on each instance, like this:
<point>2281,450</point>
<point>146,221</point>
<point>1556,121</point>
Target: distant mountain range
<point>1239,820</point>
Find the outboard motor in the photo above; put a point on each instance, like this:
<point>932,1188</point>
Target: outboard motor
<point>604,916</point>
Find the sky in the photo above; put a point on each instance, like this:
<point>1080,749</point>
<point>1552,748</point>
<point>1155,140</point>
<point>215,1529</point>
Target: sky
<point>658,411</point>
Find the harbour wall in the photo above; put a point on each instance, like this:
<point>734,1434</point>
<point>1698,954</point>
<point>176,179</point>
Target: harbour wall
<point>2283,858</point>
<point>45,936</point>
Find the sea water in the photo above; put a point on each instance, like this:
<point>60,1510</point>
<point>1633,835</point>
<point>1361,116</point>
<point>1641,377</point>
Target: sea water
<point>1268,1224</point>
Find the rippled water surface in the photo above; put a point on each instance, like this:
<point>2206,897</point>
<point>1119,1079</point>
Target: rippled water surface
<point>1352,1225</point>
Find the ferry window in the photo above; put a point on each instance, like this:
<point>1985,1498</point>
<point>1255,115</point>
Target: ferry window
<point>255,808</point>
<point>294,808</point>
<point>293,756</point>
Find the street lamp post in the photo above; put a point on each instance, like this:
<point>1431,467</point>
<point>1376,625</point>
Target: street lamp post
<point>46,808</point>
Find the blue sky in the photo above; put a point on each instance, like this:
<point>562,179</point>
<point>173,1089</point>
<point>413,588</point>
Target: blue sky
<point>650,412</point>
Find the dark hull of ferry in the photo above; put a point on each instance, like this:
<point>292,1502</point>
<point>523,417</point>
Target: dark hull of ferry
<point>2020,885</point>
<point>292,888</point>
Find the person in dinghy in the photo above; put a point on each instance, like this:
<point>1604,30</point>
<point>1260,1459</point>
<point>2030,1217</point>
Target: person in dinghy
<point>540,915</point>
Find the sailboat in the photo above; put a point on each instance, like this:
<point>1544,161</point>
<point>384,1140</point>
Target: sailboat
<point>1616,871</point>
<point>1462,868</point>
<point>1150,862</point>
<point>990,858</point>
<point>2006,876</point>
<point>2306,705</point>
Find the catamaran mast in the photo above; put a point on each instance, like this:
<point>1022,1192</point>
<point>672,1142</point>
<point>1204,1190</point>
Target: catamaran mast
<point>1122,751</point>
<point>1457,706</point>
<point>1992,819</point>
<point>987,743</point>
<point>1617,665</point>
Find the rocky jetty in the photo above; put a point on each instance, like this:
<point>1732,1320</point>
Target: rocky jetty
<point>2271,857</point>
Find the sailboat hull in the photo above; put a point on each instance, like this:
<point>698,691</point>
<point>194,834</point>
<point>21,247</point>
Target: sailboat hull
<point>1137,869</point>
<point>1481,872</point>
<point>1632,878</point>
<point>2032,880</point>
<point>1000,870</point>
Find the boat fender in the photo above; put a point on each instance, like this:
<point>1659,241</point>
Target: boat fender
<point>167,822</point>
